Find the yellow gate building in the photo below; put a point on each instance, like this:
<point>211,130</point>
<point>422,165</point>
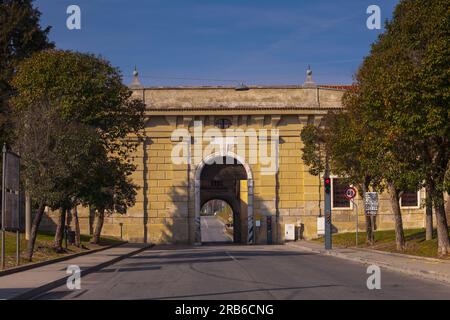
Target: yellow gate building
<point>240,145</point>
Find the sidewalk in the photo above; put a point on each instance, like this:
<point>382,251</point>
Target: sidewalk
<point>27,284</point>
<point>426,268</point>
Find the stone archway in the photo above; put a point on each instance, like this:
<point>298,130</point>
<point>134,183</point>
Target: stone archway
<point>198,196</point>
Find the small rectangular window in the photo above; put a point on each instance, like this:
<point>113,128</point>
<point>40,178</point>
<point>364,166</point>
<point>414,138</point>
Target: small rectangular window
<point>339,199</point>
<point>409,199</point>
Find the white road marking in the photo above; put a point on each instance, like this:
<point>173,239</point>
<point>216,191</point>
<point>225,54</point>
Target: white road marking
<point>230,255</point>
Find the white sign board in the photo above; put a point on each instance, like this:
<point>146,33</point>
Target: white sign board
<point>12,186</point>
<point>289,232</point>
<point>321,226</point>
<point>371,202</point>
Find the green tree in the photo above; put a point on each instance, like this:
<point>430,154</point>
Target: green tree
<point>395,130</point>
<point>350,158</point>
<point>54,155</point>
<point>360,148</point>
<point>108,190</point>
<point>381,152</point>
<point>87,91</point>
<point>340,139</point>
<point>406,85</point>
<point>313,151</point>
<point>20,36</point>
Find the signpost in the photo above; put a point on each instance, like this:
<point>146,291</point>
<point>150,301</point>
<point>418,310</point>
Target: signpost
<point>371,206</point>
<point>328,221</point>
<point>10,200</point>
<point>350,194</point>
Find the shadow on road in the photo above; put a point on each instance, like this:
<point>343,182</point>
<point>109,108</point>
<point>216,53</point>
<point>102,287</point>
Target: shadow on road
<point>209,294</point>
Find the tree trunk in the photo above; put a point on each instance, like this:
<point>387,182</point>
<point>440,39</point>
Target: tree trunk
<point>395,203</point>
<point>442,225</point>
<point>76,222</point>
<point>429,214</point>
<point>370,237</point>
<point>34,230</point>
<point>91,220</point>
<point>100,217</point>
<point>59,234</point>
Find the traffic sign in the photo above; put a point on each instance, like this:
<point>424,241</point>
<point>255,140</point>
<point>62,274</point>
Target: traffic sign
<point>350,193</point>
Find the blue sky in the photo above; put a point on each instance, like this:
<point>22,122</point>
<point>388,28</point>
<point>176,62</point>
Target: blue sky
<point>259,42</point>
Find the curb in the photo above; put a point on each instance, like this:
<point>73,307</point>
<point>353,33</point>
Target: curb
<point>47,262</point>
<point>424,274</point>
<point>54,284</point>
<point>402,255</point>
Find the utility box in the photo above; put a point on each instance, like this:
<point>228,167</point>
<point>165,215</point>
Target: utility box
<point>289,232</point>
<point>320,226</point>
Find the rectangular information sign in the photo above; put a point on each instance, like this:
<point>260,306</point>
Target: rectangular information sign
<point>371,203</point>
<point>11,191</point>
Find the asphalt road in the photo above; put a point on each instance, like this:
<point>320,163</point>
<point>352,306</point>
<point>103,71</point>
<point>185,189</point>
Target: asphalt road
<point>213,230</point>
<point>242,273</point>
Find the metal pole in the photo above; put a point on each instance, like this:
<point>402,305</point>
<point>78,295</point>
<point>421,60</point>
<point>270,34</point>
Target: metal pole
<point>277,182</point>
<point>27,216</point>
<point>357,224</point>
<point>328,222</point>
<point>372,225</point>
<point>3,206</point>
<point>18,227</point>
<point>17,247</point>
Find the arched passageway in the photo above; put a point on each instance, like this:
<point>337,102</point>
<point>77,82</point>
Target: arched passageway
<point>217,222</point>
<point>227,179</point>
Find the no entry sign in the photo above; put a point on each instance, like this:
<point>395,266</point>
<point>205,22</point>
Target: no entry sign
<point>350,193</point>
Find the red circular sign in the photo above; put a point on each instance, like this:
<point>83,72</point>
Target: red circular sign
<point>350,193</point>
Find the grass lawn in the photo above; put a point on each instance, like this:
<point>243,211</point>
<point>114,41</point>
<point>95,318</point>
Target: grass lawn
<point>44,247</point>
<point>385,241</point>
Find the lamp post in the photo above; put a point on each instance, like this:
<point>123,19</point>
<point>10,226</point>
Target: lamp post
<point>328,224</point>
<point>3,205</point>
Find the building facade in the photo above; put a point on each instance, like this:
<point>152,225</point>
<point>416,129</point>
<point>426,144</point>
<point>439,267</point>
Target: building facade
<point>240,145</point>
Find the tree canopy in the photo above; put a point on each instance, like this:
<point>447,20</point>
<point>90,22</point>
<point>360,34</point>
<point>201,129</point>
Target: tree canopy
<point>395,130</point>
<point>20,36</point>
<point>76,128</point>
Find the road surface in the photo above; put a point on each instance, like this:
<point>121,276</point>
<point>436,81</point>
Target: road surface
<point>241,273</point>
<point>213,230</point>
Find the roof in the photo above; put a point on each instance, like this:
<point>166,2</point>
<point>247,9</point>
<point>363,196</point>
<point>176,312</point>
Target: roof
<point>256,98</point>
<point>338,86</point>
<point>254,87</point>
